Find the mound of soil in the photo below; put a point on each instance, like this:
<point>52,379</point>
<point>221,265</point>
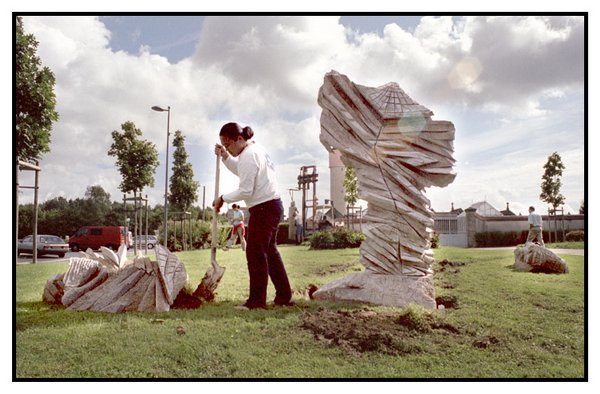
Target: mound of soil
<point>486,342</point>
<point>449,301</point>
<point>360,331</point>
<point>185,300</point>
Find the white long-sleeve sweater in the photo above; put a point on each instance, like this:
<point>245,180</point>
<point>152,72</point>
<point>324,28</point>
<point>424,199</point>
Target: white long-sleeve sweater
<point>256,171</point>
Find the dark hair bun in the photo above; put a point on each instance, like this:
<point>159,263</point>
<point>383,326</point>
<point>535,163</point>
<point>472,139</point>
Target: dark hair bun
<point>247,133</point>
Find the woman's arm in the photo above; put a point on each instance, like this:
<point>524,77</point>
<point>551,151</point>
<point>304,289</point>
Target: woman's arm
<point>247,171</point>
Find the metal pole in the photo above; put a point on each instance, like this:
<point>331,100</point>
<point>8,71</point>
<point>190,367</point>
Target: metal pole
<point>35,214</point>
<point>146,234</point>
<point>125,222</point>
<point>167,174</point>
<point>17,204</point>
<point>203,203</point>
<point>135,226</point>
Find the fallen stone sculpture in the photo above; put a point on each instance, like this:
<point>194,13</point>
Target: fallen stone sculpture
<point>536,258</point>
<point>108,282</point>
<point>397,151</point>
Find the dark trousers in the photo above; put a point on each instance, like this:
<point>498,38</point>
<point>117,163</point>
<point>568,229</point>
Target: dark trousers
<point>263,257</point>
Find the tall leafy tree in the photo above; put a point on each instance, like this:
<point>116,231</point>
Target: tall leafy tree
<point>551,183</point>
<point>136,159</point>
<point>35,100</point>
<point>183,188</point>
<point>97,204</point>
<point>350,186</point>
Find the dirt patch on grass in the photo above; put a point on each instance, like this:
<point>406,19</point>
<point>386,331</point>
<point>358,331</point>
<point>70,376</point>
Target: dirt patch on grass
<point>486,342</point>
<point>365,330</point>
<point>185,300</point>
<point>335,268</point>
<point>448,301</point>
<point>450,266</point>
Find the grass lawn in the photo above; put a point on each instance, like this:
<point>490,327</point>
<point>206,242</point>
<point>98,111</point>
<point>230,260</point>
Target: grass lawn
<point>499,324</point>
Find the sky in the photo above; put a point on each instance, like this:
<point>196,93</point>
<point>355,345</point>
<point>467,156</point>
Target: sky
<point>512,85</point>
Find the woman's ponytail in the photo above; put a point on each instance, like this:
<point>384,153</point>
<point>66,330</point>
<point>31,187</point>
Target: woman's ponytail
<point>247,133</point>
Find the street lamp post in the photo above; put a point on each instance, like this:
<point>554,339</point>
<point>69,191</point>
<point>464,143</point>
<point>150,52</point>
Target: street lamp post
<point>160,109</point>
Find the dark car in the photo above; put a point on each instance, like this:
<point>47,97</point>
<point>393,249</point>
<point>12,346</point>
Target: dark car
<point>46,244</point>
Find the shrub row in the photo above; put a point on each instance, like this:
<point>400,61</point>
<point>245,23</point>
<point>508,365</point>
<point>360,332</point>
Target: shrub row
<point>513,238</point>
<point>338,238</point>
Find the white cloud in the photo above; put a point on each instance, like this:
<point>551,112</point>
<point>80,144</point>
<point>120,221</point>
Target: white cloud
<point>505,82</point>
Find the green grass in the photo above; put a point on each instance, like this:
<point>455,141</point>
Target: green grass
<point>566,245</point>
<point>534,321</point>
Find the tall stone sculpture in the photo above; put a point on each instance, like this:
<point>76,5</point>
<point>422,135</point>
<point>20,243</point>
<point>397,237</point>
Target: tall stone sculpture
<point>397,151</point>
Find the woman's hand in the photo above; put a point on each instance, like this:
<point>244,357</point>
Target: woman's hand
<point>218,203</point>
<point>220,150</point>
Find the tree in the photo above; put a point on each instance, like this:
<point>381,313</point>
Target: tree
<point>351,197</point>
<point>350,186</point>
<point>551,184</point>
<point>97,204</point>
<point>184,190</point>
<point>553,170</point>
<point>582,208</point>
<point>35,100</point>
<point>136,159</point>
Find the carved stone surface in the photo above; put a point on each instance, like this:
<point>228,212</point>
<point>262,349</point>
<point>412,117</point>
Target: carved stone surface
<point>536,258</point>
<point>397,151</point>
<point>390,290</point>
<point>109,283</point>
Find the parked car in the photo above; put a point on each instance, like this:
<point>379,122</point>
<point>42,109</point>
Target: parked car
<point>95,236</point>
<point>141,241</point>
<point>46,244</point>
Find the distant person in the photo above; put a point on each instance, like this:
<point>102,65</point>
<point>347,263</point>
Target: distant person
<point>238,230</point>
<point>258,188</point>
<point>298,227</point>
<point>535,228</point>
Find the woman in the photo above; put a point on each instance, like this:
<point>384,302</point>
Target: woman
<point>238,230</point>
<point>258,188</point>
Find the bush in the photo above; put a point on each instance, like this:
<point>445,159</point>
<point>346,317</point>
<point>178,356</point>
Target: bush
<point>575,236</point>
<point>435,240</point>
<point>338,238</point>
<point>201,235</point>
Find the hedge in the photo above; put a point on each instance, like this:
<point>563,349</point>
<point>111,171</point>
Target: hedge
<point>514,238</point>
<point>338,238</point>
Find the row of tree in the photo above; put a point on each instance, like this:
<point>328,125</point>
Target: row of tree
<point>63,217</point>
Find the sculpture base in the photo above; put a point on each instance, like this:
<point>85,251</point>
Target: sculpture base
<point>388,290</point>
